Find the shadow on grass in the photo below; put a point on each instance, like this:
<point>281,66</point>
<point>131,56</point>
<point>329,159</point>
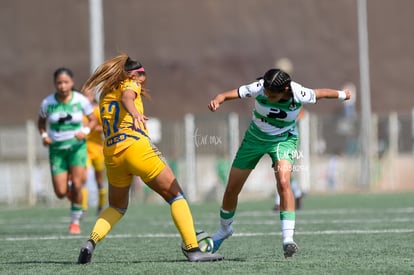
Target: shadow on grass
<point>112,262</point>
<point>165,261</point>
<point>39,262</point>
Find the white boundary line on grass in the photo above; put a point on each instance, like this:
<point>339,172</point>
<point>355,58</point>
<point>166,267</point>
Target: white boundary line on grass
<point>247,234</point>
<point>334,211</point>
<point>63,222</point>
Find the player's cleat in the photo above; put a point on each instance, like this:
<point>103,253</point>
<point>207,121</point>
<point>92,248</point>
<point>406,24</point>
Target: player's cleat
<point>289,249</point>
<point>198,256</point>
<point>74,229</point>
<point>220,236</point>
<point>86,252</point>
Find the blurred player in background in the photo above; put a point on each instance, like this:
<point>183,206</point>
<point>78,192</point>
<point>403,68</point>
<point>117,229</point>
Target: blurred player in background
<point>96,163</point>
<point>128,151</point>
<point>60,124</point>
<point>273,131</point>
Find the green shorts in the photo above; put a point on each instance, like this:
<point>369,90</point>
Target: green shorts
<point>62,159</point>
<point>252,150</point>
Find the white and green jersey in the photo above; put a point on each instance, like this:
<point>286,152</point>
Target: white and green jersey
<point>65,119</point>
<point>274,119</point>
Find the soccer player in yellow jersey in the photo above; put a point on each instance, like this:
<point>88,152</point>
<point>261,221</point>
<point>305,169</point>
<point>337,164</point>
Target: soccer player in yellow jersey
<point>94,142</point>
<point>128,151</point>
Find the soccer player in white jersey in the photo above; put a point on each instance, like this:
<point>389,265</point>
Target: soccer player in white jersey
<point>272,131</point>
<point>60,125</point>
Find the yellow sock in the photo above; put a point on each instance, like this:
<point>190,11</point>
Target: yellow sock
<point>180,212</point>
<point>109,217</point>
<point>102,197</point>
<point>85,198</point>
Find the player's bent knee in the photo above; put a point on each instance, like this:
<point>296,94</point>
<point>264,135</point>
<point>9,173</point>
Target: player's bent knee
<point>284,184</point>
<point>60,195</point>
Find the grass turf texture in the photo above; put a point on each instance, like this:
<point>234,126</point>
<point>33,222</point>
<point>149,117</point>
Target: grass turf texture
<point>336,234</point>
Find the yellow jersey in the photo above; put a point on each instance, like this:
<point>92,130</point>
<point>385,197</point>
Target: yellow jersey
<point>118,126</point>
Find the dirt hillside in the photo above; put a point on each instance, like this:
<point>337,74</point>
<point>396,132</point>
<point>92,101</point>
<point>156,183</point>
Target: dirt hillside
<point>195,49</point>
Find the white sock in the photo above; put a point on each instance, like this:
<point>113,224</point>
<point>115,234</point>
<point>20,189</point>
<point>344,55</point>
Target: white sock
<point>224,230</point>
<point>225,223</point>
<point>288,229</point>
<point>75,213</point>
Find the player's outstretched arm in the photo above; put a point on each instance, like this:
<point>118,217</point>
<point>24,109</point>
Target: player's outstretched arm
<point>330,93</point>
<point>220,98</point>
<point>127,99</point>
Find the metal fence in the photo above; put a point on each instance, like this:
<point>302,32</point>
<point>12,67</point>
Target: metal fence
<point>200,150</point>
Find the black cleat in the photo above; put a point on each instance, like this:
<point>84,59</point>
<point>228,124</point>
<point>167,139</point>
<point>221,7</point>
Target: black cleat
<point>85,254</point>
<point>290,249</point>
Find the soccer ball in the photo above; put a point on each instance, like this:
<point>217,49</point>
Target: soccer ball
<point>205,242</point>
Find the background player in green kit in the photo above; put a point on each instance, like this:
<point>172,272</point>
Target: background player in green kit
<point>272,131</point>
<point>63,111</point>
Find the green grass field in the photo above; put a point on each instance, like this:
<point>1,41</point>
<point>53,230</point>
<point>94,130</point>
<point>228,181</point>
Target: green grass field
<point>336,234</point>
